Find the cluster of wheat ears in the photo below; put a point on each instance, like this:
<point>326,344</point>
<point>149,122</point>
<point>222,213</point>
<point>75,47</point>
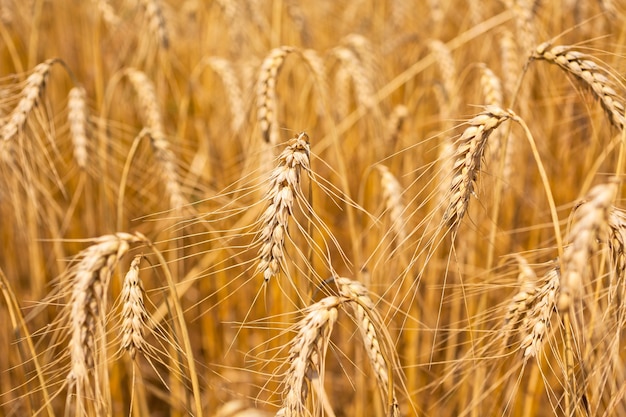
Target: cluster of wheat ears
<point>276,207</point>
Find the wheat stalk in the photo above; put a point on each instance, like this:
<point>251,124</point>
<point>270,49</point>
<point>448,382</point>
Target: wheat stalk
<point>589,73</point>
<point>284,188</point>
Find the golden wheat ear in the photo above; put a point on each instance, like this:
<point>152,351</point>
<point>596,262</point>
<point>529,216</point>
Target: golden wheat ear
<point>284,189</point>
<point>589,73</point>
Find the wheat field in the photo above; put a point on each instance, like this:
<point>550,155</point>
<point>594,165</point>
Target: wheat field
<point>276,207</point>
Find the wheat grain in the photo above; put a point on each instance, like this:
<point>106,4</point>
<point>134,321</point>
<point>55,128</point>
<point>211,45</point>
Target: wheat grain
<point>284,189</point>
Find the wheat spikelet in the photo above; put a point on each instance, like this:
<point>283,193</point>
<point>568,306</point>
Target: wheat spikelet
<point>392,195</point>
<point>537,320</point>
<point>467,161</point>
<point>592,216</point>
<point>267,101</point>
<point>284,188</point>
<point>225,70</point>
<point>307,354</point>
<point>152,118</point>
<point>91,276</point>
<point>156,21</point>
<point>33,88</point>
<point>377,342</point>
<point>134,315</point>
<point>589,73</point>
<point>77,117</point>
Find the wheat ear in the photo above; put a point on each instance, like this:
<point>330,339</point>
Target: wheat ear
<point>77,117</point>
<point>134,315</point>
<point>91,276</point>
<point>392,196</point>
<point>267,100</point>
<point>468,159</point>
<point>592,216</point>
<point>33,88</point>
<point>589,73</point>
<point>542,306</point>
<point>307,354</point>
<point>377,341</point>
<point>156,21</point>
<point>283,190</point>
<point>162,151</point>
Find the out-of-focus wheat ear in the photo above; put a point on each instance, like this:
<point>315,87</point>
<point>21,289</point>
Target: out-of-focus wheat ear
<point>77,117</point>
<point>392,196</point>
<point>524,11</point>
<point>107,12</point>
<point>162,151</point>
<point>226,72</point>
<point>363,87</point>
<point>316,64</point>
<point>436,13</point>
<point>395,124</point>
<point>284,189</point>
<point>592,75</point>
<point>591,219</point>
<point>447,68</point>
<point>542,305</point>
<point>267,99</point>
<point>307,354</point>
<point>492,94</point>
<point>617,243</point>
<point>299,19</point>
<point>510,62</point>
<point>134,315</point>
<point>33,88</point>
<point>521,302</point>
<point>378,343</point>
<point>90,278</point>
<point>467,161</point>
<point>156,21</point>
